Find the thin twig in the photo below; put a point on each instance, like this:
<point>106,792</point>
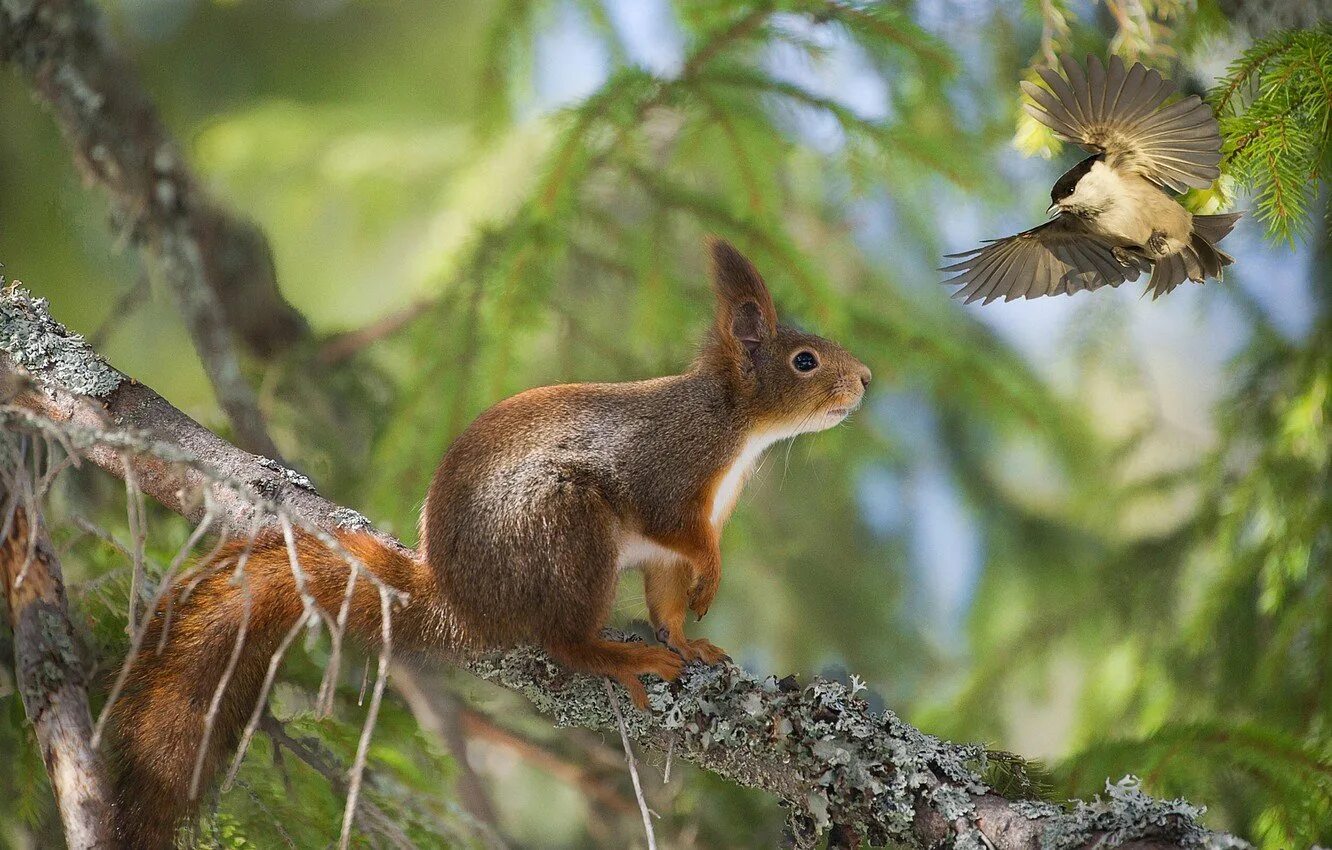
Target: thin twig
<point>323,764</point>
<point>294,561</point>
<point>216,703</point>
<point>136,642</point>
<point>365,684</point>
<point>274,662</point>
<point>193,540</point>
<point>633,767</point>
<point>376,697</point>
<point>349,343</point>
<point>328,687</point>
<point>134,509</point>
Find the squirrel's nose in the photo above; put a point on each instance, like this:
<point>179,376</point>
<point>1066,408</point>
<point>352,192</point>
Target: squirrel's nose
<point>865,376</point>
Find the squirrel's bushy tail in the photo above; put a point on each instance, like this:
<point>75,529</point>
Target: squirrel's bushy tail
<point>158,722</point>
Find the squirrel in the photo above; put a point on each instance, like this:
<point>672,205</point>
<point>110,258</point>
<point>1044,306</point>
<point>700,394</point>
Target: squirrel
<point>532,515</point>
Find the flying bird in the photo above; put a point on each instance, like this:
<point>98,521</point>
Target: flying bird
<point>1114,214</point>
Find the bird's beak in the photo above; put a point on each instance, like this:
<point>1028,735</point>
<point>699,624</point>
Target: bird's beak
<point>1054,208</point>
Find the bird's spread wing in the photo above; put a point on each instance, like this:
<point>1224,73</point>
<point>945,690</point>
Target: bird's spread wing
<point>1058,257</point>
<point>1119,112</point>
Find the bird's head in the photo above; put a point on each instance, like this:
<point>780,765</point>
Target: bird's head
<point>1072,192</point>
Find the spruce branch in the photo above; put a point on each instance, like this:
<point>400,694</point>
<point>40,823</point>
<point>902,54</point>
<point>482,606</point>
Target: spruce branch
<point>1275,109</point>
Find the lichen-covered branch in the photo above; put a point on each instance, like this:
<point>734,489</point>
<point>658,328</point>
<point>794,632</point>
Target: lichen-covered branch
<point>78,387</point>
<point>52,679</point>
<point>817,747</point>
<point>218,267</point>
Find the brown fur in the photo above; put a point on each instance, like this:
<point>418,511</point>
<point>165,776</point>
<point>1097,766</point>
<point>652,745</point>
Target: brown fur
<point>522,537</point>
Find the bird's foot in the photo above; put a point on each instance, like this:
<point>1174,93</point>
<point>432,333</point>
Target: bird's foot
<point>1157,244</point>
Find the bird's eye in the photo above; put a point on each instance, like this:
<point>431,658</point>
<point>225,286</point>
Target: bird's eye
<point>805,361</point>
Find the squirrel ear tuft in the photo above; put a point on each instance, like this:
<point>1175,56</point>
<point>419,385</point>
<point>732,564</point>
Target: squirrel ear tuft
<point>744,307</point>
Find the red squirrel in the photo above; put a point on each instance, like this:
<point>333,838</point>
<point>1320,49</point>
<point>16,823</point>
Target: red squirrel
<point>532,515</point>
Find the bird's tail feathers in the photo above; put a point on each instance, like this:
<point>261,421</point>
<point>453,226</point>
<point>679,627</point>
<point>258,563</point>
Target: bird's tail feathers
<point>1199,260</point>
<point>1167,273</point>
<point>1211,258</point>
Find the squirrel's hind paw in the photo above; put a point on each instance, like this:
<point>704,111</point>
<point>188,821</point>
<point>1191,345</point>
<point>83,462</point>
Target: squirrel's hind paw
<point>650,660</point>
<point>662,662</point>
<point>695,649</point>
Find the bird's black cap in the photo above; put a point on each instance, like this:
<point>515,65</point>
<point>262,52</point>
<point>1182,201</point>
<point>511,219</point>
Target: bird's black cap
<point>1064,186</point>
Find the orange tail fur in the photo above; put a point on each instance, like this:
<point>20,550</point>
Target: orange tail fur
<point>158,722</point>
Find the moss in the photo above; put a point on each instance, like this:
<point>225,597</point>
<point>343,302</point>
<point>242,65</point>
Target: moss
<point>48,350</point>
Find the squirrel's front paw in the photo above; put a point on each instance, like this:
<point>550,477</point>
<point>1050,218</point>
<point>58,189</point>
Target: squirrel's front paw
<point>700,598</point>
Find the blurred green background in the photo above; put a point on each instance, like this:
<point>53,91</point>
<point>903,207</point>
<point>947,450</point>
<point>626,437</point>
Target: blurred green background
<point>1094,531</point>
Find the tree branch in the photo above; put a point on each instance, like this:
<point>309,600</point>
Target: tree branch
<point>218,267</point>
<point>51,676</point>
<point>818,748</point>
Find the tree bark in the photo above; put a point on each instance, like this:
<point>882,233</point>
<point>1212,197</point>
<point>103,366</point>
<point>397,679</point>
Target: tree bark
<point>218,267</point>
<point>52,678</point>
<point>817,747</point>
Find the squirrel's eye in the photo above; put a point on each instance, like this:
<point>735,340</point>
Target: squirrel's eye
<point>805,361</point>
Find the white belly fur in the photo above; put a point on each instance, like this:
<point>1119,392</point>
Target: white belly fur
<point>728,490</point>
<point>637,550</point>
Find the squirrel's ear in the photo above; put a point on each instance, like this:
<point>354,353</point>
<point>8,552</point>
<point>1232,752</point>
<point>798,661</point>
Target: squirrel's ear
<point>744,307</point>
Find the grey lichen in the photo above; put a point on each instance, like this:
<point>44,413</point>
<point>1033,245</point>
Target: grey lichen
<point>48,350</point>
<point>953,803</point>
<point>1036,809</point>
<point>846,764</point>
<point>832,759</point>
<point>55,660</point>
<point>348,519</point>
<point>1124,815</point>
<point>88,99</point>
<point>292,476</point>
<point>581,701</point>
